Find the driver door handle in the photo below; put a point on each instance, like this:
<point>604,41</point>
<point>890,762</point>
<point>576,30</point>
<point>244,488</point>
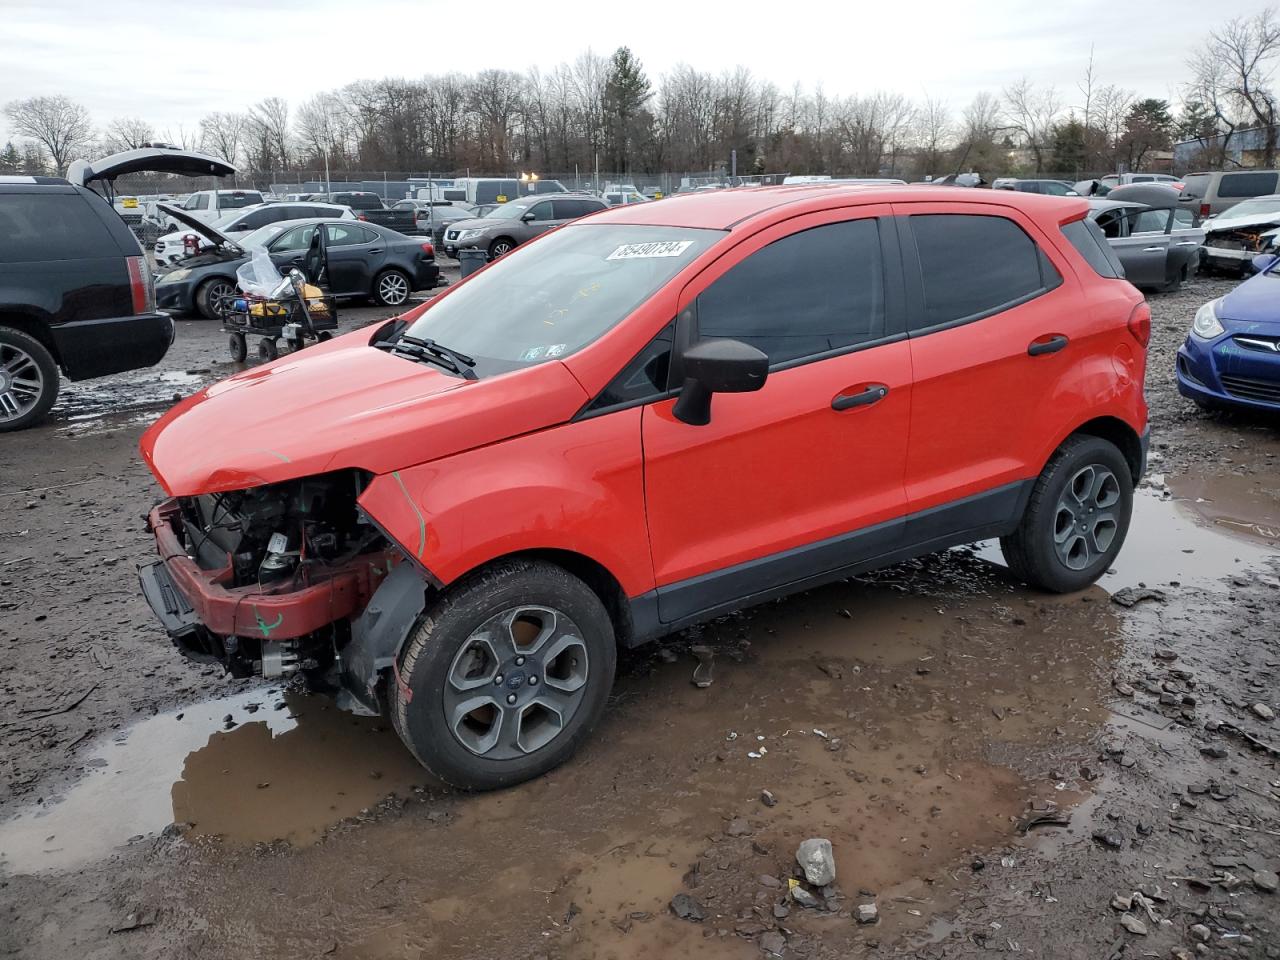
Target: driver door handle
<point>1152,249</point>
<point>874,393</point>
<point>375,250</point>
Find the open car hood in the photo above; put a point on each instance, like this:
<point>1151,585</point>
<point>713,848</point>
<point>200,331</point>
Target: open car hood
<point>342,405</point>
<point>1224,221</point>
<point>197,226</point>
<point>148,160</point>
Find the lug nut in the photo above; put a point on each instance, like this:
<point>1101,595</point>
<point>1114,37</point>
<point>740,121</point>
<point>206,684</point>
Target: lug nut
<point>511,698</point>
<point>519,661</point>
<point>532,681</point>
<point>498,680</point>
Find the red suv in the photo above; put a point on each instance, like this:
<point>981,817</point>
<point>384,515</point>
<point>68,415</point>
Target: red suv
<point>648,418</point>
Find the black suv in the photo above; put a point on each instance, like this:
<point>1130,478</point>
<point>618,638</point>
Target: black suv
<point>76,295</point>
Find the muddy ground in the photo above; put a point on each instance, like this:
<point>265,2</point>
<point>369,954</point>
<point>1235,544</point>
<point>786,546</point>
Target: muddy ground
<point>997,770</point>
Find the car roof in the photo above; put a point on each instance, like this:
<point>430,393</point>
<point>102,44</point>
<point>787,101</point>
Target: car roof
<point>725,209</point>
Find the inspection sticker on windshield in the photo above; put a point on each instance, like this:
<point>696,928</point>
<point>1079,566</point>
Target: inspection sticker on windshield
<point>643,251</point>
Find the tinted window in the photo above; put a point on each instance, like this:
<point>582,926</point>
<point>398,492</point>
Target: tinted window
<point>1183,219</point>
<point>572,209</point>
<point>344,235</point>
<point>1196,184</point>
<point>299,238</point>
<point>301,213</point>
<point>260,218</point>
<point>541,212</point>
<point>972,265</point>
<point>358,201</point>
<point>1089,242</point>
<point>644,377</point>
<point>51,226</point>
<point>1246,184</point>
<point>805,294</point>
<point>1057,189</point>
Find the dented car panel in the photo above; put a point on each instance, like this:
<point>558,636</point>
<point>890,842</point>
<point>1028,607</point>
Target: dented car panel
<point>363,409</point>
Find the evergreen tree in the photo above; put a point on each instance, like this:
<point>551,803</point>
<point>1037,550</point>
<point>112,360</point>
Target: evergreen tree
<point>10,159</point>
<point>626,122</point>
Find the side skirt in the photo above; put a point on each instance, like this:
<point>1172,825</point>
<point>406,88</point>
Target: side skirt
<point>675,606</point>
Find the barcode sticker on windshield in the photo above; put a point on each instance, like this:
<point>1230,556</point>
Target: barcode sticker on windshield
<point>658,248</point>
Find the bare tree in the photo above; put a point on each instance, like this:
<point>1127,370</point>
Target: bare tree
<point>222,134</point>
<point>59,124</point>
<point>127,133</point>
<point>1232,74</point>
<point>269,129</point>
<point>1032,114</point>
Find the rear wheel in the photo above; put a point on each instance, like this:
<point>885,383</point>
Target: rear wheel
<point>28,380</point>
<point>268,349</point>
<point>1076,519</point>
<point>505,676</point>
<point>238,347</point>
<point>391,288</point>
<point>214,297</point>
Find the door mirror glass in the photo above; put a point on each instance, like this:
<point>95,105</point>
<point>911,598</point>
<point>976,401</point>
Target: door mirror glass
<point>717,366</point>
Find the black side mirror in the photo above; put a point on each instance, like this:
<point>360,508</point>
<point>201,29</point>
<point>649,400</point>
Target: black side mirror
<point>717,366</point>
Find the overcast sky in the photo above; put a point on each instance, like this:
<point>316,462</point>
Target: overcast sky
<point>170,63</point>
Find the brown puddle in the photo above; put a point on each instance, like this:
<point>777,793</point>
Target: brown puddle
<point>1243,505</point>
<point>278,774</point>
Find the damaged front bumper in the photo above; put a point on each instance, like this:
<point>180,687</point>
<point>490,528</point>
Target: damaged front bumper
<point>249,629</point>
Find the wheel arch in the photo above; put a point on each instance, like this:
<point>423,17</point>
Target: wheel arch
<point>1121,435</point>
<point>33,328</point>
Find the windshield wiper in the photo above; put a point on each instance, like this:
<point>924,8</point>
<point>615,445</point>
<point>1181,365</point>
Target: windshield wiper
<point>421,348</point>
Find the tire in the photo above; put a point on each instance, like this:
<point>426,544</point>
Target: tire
<point>391,288</point>
<point>268,350</point>
<point>1076,519</point>
<point>463,652</point>
<point>28,380</point>
<point>210,293</point>
<point>238,347</point>
<point>501,247</point>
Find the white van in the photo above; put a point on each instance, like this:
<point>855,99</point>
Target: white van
<point>482,190</point>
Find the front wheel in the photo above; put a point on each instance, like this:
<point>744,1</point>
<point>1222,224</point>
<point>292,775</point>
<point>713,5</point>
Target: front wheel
<point>28,380</point>
<point>1076,519</point>
<point>501,247</point>
<point>391,288</point>
<point>505,675</point>
<point>238,347</point>
<point>214,298</point>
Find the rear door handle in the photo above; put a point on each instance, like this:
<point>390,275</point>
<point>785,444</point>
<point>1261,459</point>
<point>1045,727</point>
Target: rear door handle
<point>874,393</point>
<point>1156,249</point>
<point>1047,345</point>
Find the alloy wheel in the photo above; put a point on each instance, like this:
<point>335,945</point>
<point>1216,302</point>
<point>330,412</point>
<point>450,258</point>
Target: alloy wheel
<point>220,297</point>
<point>21,382</point>
<point>393,289</point>
<point>1087,517</point>
<point>516,682</point>
<point>501,249</point>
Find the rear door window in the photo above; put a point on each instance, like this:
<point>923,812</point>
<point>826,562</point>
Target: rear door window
<point>345,235</point>
<point>51,226</point>
<point>811,293</point>
<point>1246,184</point>
<point>972,266</point>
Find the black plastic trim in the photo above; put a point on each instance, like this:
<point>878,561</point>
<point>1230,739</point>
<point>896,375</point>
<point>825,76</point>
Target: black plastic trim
<point>992,513</point>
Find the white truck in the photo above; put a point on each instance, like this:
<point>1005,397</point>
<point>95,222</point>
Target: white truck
<point>210,205</point>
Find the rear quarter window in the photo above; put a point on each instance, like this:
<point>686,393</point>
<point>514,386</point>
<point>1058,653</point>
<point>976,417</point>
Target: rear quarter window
<point>1246,184</point>
<point>1196,185</point>
<point>1086,236</point>
<point>974,265</point>
<point>51,226</point>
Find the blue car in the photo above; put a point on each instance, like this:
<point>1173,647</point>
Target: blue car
<point>1231,357</point>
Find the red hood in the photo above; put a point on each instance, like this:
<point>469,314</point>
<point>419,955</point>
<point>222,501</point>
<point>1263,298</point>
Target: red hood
<point>340,405</point>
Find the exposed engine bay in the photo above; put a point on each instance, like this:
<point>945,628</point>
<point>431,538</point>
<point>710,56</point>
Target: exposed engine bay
<point>303,537</point>
<point>280,535</point>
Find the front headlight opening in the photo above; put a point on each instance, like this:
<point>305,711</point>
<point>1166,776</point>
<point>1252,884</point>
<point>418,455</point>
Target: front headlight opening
<point>1206,325</point>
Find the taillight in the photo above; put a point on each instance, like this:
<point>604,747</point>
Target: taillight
<point>141,285</point>
<point>1140,323</point>
<point>1204,209</point>
<point>429,249</point>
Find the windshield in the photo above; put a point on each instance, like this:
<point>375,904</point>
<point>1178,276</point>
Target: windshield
<point>262,236</point>
<point>547,300</point>
<point>509,211</point>
<point>1254,208</point>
